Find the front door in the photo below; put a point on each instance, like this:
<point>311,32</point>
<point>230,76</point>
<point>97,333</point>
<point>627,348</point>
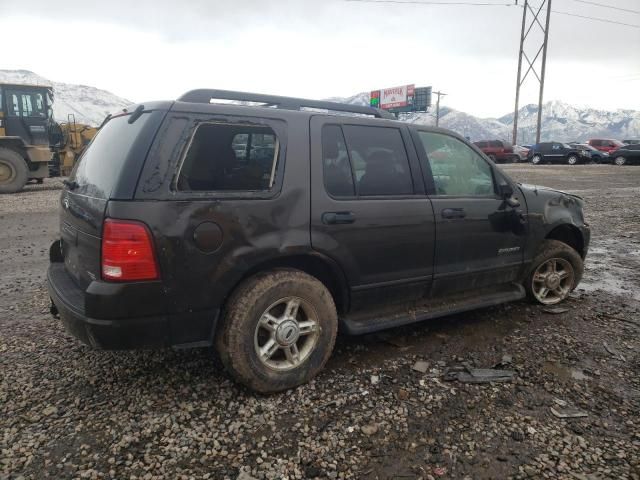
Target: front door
<point>27,114</point>
<point>369,209</point>
<point>479,238</point>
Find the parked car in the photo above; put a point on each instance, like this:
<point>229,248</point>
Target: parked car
<point>605,145</point>
<point>556,152</point>
<point>596,155</point>
<point>631,141</point>
<point>522,152</point>
<point>629,154</point>
<point>498,151</point>
<point>169,237</point>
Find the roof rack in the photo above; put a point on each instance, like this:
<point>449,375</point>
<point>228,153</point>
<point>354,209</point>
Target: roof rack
<point>205,95</point>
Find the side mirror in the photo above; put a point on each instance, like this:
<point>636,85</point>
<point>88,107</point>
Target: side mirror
<point>506,191</point>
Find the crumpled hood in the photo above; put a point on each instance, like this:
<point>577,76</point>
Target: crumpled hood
<point>533,189</point>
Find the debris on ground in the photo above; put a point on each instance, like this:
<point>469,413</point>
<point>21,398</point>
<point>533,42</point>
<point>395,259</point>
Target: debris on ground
<point>613,352</point>
<point>568,412</point>
<point>466,374</point>
<point>555,310</point>
<point>420,366</point>
<point>370,429</point>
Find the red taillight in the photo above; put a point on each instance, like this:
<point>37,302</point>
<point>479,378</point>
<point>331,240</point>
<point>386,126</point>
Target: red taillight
<point>127,252</point>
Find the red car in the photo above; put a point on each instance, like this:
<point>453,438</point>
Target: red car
<point>605,144</point>
<point>498,150</point>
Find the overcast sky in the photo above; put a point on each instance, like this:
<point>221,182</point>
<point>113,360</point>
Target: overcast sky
<point>148,50</point>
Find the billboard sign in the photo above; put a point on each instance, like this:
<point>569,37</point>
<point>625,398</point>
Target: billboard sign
<point>396,97</point>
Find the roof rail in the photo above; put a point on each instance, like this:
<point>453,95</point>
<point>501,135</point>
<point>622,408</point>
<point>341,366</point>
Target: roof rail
<point>205,95</point>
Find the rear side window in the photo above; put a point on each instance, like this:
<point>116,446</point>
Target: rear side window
<point>377,161</point>
<point>230,157</point>
<point>102,163</point>
<point>495,144</point>
<point>596,143</point>
<point>338,177</point>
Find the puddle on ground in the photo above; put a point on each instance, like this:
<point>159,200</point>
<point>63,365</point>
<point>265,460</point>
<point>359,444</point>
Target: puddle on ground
<point>563,372</point>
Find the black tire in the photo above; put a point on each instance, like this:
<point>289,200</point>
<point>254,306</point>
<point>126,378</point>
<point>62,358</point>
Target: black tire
<point>573,160</point>
<point>248,303</point>
<point>14,172</point>
<point>552,249</point>
<point>620,160</point>
<point>536,159</point>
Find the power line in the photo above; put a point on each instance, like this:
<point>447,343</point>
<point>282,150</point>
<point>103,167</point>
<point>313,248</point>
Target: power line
<point>486,4</point>
<point>596,19</point>
<point>418,2</point>
<point>608,6</point>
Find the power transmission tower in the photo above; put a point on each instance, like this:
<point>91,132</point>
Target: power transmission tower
<point>527,25</point>
<point>439,94</point>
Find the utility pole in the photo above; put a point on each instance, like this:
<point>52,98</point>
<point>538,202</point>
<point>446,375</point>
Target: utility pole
<point>439,94</point>
<point>524,34</point>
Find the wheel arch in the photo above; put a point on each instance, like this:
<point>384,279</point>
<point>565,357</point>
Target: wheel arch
<point>316,265</point>
<point>569,235</point>
<point>17,145</point>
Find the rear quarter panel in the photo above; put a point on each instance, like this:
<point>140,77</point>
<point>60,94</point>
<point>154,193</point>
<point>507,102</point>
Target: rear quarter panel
<point>254,230</point>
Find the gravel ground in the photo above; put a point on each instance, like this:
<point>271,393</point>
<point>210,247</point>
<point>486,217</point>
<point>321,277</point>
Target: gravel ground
<point>67,411</point>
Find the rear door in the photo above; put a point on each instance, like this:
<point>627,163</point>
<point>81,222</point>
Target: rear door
<point>112,160</point>
<point>479,238</point>
<point>369,209</point>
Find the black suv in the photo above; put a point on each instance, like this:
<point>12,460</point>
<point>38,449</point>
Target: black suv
<point>556,152</point>
<point>263,230</point>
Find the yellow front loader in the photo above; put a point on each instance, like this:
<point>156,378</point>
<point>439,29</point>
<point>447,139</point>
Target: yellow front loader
<point>72,141</point>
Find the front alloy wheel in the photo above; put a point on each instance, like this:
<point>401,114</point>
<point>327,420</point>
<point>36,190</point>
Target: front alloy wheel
<point>552,281</point>
<point>620,160</point>
<point>536,159</point>
<point>572,160</point>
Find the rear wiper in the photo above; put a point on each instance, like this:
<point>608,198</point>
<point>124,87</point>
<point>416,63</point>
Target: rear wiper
<point>71,185</point>
<point>137,113</point>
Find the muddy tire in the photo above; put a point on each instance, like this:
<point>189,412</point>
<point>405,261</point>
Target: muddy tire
<point>555,272</point>
<point>278,330</point>
<point>13,171</point>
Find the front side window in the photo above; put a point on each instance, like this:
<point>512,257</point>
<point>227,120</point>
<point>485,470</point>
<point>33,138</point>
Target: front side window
<point>456,168</point>
<point>230,157</point>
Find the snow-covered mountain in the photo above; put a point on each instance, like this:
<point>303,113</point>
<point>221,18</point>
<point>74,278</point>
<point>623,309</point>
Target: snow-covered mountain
<point>560,121</point>
<point>89,104</point>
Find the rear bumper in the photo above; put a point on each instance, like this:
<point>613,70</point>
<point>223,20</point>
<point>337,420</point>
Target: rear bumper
<point>191,329</point>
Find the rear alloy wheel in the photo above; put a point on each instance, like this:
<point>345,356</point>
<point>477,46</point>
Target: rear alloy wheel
<point>620,160</point>
<point>278,330</point>
<point>555,272</point>
<point>13,171</point>
<point>572,160</point>
<point>536,160</point>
